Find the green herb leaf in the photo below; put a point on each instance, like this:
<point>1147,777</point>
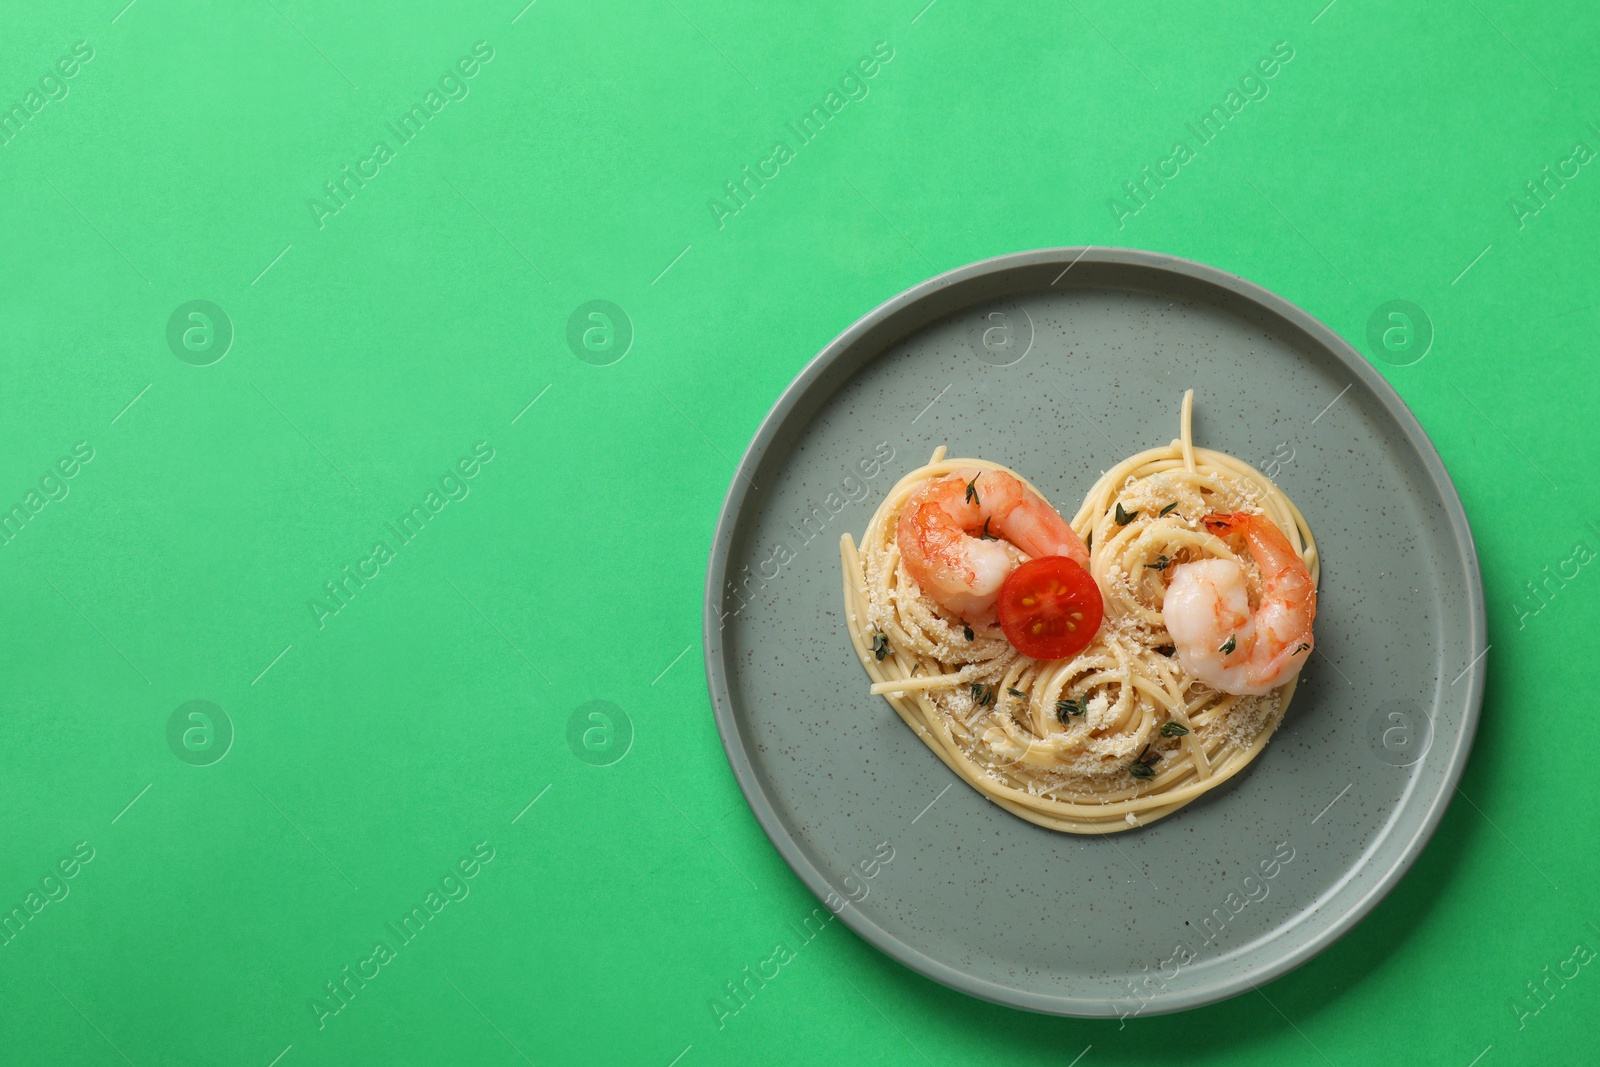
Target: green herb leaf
<point>1066,708</point>
<point>1159,565</point>
<point>1174,728</point>
<point>1166,650</point>
<point>972,489</point>
<point>1227,649</point>
<point>982,694</point>
<point>1017,692</point>
<point>1144,764</point>
<point>880,645</point>
<point>986,535</point>
<point>1302,648</point>
<point>1123,517</point>
<point>1168,508</point>
<point>968,631</point>
<point>914,671</point>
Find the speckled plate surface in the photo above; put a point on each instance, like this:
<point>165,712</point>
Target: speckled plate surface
<point>1060,363</point>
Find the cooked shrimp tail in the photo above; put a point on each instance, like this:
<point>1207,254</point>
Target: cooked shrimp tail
<point>962,534</point>
<point>1207,611</point>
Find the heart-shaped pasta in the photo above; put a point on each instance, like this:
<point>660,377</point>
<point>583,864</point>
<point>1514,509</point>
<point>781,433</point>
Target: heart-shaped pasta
<point>1147,717</point>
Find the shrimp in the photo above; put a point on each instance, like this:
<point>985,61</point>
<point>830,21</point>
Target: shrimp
<point>961,535</point>
<point>1207,608</point>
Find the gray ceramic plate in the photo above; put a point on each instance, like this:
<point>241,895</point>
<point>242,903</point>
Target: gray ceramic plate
<point>1060,373</point>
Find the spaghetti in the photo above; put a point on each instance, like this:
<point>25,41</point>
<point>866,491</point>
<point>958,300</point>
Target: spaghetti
<point>1120,734</point>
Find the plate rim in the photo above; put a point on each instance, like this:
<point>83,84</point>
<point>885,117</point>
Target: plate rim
<point>751,784</point>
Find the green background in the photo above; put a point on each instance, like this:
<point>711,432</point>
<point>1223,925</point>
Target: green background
<point>370,354</point>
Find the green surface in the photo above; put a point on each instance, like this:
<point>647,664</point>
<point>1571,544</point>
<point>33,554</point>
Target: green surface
<point>374,348</point>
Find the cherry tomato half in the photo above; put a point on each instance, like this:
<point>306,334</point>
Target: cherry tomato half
<point>1050,608</point>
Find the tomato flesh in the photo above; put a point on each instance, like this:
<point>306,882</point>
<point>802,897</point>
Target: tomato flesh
<point>1050,608</point>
